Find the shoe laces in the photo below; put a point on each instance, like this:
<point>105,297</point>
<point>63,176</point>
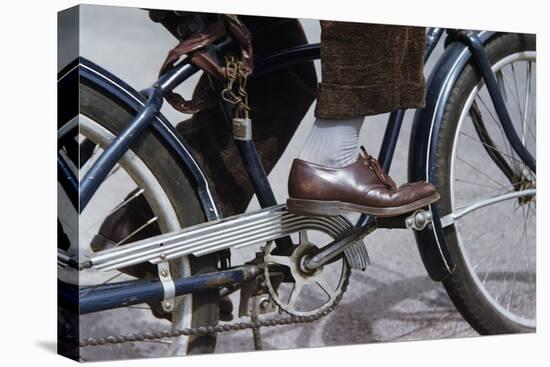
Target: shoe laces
<point>374,166</point>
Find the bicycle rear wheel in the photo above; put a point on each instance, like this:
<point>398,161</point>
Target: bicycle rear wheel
<point>488,204</point>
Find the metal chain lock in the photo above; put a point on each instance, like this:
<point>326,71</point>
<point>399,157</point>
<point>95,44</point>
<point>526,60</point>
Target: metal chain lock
<point>236,75</point>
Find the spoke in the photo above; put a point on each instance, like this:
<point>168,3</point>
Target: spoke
<point>515,96</point>
<point>505,187</point>
<point>517,90</point>
<point>499,288</point>
<point>524,230</point>
<point>491,253</point>
<point>501,86</point>
<point>479,171</point>
<point>126,201</point>
<point>149,222</point>
<point>491,147</point>
<point>281,260</point>
<point>493,117</point>
<point>491,256</point>
<point>117,207</point>
<point>322,283</point>
<point>295,293</point>
<point>529,210</point>
<point>477,184</point>
<point>97,285</point>
<point>516,209</point>
<point>497,122</point>
<point>487,274</point>
<point>518,103</point>
<point>476,240</point>
<point>531,132</point>
<point>524,238</point>
<point>115,169</point>
<point>303,237</point>
<point>90,160</point>
<point>511,292</point>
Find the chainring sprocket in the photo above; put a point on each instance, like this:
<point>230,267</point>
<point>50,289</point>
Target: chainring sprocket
<point>316,280</point>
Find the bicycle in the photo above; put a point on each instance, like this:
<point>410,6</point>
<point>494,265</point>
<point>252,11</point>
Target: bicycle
<point>113,128</point>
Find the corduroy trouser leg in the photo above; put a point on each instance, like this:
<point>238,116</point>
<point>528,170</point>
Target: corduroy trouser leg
<point>368,69</point>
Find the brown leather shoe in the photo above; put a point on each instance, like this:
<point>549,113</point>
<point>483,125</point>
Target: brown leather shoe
<point>362,186</point>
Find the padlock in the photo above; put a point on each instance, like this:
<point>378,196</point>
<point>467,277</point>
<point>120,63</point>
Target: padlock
<point>242,128</point>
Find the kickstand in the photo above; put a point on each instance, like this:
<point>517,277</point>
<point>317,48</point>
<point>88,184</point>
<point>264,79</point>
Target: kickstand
<point>256,329</point>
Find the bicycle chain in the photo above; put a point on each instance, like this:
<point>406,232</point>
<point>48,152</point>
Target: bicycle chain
<point>205,330</point>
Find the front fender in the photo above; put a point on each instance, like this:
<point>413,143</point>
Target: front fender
<point>422,149</point>
<point>87,72</point>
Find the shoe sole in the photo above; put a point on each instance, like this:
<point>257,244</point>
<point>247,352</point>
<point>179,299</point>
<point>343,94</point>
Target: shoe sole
<point>328,208</point>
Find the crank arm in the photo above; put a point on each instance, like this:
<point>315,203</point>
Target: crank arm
<point>337,247</point>
<point>416,221</point>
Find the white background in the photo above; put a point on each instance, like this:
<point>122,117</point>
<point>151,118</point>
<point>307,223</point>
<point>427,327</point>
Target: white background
<point>28,191</point>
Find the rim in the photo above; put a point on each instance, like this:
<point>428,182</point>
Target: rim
<point>164,214</point>
<point>462,213</point>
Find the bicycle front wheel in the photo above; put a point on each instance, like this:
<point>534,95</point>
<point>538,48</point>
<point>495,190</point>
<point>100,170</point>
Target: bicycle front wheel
<point>146,193</point>
<point>488,204</point>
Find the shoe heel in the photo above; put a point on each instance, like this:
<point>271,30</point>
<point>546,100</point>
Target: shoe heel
<point>313,207</point>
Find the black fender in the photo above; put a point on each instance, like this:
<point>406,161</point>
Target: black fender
<point>84,71</point>
<point>424,138</point>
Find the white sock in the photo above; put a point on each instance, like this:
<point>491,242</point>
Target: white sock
<point>333,143</point>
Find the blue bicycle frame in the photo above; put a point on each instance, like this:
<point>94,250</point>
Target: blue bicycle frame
<point>465,46</point>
